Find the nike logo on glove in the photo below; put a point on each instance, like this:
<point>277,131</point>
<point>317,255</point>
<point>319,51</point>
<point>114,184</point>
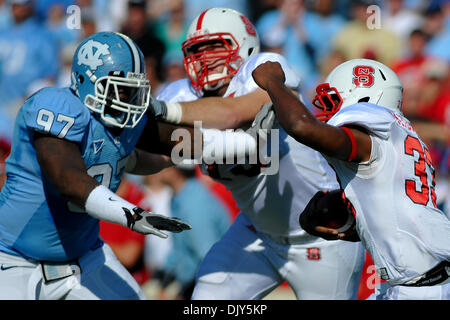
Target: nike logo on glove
<point>3,268</point>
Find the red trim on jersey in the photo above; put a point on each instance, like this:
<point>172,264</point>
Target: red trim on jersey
<point>353,141</point>
<point>200,20</point>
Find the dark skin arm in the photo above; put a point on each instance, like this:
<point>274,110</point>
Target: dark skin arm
<point>157,138</point>
<point>299,123</point>
<point>61,161</point>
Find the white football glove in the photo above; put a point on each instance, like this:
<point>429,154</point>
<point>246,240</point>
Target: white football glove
<point>145,222</point>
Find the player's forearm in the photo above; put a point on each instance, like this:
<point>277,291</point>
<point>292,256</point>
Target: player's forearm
<point>145,163</point>
<point>213,113</point>
<point>301,124</point>
<point>292,114</point>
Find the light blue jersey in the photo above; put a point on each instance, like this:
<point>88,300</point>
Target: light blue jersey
<point>35,220</point>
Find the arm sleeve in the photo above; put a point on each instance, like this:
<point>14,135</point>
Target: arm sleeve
<point>178,91</point>
<point>376,120</point>
<point>244,76</point>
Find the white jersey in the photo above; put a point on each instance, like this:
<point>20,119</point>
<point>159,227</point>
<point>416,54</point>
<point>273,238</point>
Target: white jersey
<point>393,195</point>
<point>272,203</point>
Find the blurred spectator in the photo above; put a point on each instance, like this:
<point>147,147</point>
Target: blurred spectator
<point>194,203</point>
<point>284,28</point>
<point>139,28</point>
<point>172,30</point>
<point>173,70</point>
<point>6,125</point>
<point>434,100</point>
<point>356,40</point>
<point>174,67</point>
<point>195,7</point>
<point>410,68</point>
<point>323,23</point>
<point>157,197</point>
<point>100,10</point>
<point>28,57</point>
<point>5,15</point>
<point>416,5</point>
<point>220,191</point>
<point>42,8</point>
<point>400,20</point>
<point>128,246</point>
<point>332,60</point>
<point>64,76</point>
<point>437,26</point>
<point>88,23</point>
<point>57,25</point>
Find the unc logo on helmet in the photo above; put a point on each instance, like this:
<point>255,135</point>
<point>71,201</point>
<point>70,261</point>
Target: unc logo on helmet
<point>108,75</point>
<point>90,53</point>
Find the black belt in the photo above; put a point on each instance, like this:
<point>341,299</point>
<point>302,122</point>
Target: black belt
<point>434,276</point>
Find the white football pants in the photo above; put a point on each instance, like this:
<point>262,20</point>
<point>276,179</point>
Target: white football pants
<point>102,277</point>
<point>385,291</point>
<point>246,265</point>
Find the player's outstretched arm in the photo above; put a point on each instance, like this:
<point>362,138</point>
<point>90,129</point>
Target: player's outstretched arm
<point>203,144</point>
<point>62,163</point>
<point>214,112</point>
<point>142,162</point>
<point>348,144</point>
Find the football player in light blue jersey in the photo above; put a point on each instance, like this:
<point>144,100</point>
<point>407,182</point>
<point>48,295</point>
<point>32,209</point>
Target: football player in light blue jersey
<point>70,148</point>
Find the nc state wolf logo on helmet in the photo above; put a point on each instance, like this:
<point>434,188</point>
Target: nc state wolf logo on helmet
<point>249,27</point>
<point>90,54</point>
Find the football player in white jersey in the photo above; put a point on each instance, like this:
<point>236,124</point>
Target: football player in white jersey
<point>265,245</point>
<point>384,168</point>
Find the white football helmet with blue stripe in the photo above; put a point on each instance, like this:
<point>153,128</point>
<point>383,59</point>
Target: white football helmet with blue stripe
<point>108,75</point>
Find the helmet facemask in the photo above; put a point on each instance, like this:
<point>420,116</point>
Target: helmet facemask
<point>328,100</point>
<point>197,63</point>
<point>120,101</point>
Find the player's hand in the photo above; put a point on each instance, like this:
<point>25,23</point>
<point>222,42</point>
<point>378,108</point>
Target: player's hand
<point>329,215</point>
<point>158,108</point>
<point>145,222</point>
<point>334,234</point>
<point>264,121</point>
<point>268,72</point>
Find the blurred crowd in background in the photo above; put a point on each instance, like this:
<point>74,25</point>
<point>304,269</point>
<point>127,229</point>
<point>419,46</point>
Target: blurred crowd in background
<point>38,39</point>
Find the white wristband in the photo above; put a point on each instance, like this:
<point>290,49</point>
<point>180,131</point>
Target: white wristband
<point>103,204</point>
<point>219,145</point>
<point>174,112</point>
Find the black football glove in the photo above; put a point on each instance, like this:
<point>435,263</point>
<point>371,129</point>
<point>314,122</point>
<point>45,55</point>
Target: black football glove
<point>332,210</point>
